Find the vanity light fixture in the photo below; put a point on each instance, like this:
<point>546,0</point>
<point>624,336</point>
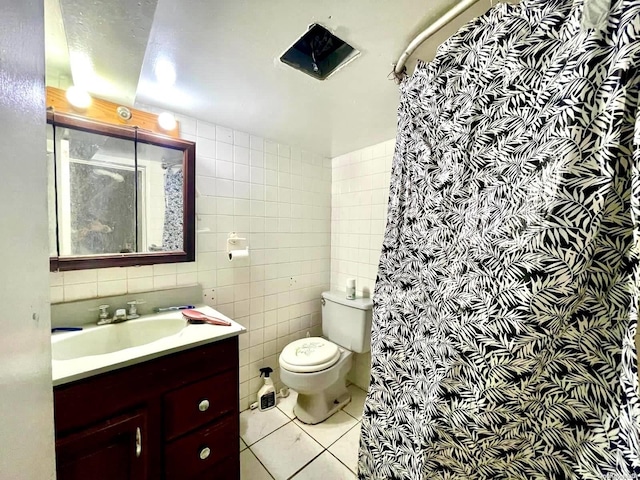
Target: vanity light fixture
<point>167,121</point>
<point>78,98</point>
<point>124,113</point>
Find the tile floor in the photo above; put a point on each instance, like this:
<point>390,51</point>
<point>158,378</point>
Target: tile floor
<point>275,445</point>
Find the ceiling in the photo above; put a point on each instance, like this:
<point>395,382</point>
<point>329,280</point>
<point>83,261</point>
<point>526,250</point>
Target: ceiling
<point>225,55</point>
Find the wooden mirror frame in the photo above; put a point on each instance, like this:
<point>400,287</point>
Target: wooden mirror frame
<point>188,254</point>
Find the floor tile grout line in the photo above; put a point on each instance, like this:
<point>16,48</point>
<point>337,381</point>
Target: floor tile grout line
<point>285,413</point>
<point>301,468</point>
<point>337,439</point>
<point>334,456</point>
<point>263,465</point>
<point>332,443</point>
<point>324,449</point>
<point>356,418</point>
<point>345,465</point>
<point>305,465</point>
<point>262,438</point>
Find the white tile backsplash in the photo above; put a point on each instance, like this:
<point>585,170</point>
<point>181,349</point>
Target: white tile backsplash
<point>113,287</point>
<point>80,291</point>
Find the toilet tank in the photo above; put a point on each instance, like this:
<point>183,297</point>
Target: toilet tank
<point>347,322</point>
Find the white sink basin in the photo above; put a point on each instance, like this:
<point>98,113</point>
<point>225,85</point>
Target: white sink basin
<point>103,339</point>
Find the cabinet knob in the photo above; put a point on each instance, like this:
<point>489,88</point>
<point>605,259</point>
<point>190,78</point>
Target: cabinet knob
<point>204,453</point>
<point>203,406</point>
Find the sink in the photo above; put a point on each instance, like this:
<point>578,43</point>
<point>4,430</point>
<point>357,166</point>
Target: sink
<point>99,340</point>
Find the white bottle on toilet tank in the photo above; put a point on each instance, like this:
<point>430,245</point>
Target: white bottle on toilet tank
<point>266,394</point>
<point>351,289</point>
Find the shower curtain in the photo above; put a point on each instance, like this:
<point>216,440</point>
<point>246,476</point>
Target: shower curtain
<point>506,302</point>
<point>173,216</point>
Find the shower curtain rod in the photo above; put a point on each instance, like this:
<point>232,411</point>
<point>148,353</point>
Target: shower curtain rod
<point>399,67</point>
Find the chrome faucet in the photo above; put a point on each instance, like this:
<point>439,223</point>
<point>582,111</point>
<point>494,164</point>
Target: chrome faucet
<point>120,314</point>
<point>103,317</point>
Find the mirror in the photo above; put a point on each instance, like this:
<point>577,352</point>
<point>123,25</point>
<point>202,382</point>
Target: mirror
<point>118,195</point>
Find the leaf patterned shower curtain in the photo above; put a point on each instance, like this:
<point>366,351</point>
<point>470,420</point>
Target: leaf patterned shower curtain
<point>506,303</point>
<point>173,213</point>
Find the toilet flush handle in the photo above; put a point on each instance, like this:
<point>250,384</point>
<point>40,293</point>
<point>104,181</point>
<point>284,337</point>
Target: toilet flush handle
<point>323,301</point>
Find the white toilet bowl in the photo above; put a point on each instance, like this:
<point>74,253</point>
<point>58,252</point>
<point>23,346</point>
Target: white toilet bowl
<point>317,369</point>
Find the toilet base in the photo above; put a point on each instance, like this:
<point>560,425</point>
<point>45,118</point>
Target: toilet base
<point>317,407</point>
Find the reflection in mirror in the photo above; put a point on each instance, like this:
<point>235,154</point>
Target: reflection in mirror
<point>96,193</point>
<point>163,204</point>
<point>118,195</point>
<point>51,193</point>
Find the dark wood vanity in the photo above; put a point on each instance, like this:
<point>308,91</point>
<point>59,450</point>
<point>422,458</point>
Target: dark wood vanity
<point>174,417</point>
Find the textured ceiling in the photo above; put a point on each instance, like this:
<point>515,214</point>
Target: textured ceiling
<point>226,58</point>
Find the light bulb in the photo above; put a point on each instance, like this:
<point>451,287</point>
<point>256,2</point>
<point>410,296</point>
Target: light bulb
<point>167,121</point>
<point>78,98</point>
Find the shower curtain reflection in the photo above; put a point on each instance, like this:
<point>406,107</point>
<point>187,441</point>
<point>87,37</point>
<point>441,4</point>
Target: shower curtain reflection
<point>102,211</point>
<point>173,214</point>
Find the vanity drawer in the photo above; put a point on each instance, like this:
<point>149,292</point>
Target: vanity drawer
<point>201,450</point>
<point>228,469</point>
<point>199,403</point>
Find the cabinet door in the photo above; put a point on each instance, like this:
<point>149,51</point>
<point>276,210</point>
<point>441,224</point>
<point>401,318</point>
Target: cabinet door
<point>115,449</point>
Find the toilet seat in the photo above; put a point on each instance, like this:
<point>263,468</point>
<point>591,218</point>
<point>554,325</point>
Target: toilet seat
<point>311,354</point>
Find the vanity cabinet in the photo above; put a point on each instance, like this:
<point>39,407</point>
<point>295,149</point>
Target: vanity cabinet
<point>173,417</point>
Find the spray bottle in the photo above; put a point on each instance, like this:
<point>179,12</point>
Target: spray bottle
<point>267,394</point>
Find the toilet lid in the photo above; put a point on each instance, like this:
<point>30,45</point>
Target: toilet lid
<point>310,354</point>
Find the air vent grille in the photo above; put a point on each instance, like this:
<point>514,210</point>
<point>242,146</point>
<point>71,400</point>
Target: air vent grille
<point>319,53</point>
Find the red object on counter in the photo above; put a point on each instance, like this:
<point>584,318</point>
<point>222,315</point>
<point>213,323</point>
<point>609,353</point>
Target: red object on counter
<point>194,316</point>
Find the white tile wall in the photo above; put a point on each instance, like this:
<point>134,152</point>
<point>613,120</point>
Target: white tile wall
<point>279,198</point>
<point>360,193</point>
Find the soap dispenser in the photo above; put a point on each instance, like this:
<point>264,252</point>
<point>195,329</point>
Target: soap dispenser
<point>267,394</point>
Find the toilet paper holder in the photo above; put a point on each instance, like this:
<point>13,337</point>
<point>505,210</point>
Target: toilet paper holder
<point>232,246</point>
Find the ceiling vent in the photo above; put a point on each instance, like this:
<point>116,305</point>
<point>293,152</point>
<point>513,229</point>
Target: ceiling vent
<point>319,53</point>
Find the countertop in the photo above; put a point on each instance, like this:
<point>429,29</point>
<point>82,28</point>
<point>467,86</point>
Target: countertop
<point>192,335</point>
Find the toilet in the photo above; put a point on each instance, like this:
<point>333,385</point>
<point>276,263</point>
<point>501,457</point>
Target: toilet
<point>317,367</point>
